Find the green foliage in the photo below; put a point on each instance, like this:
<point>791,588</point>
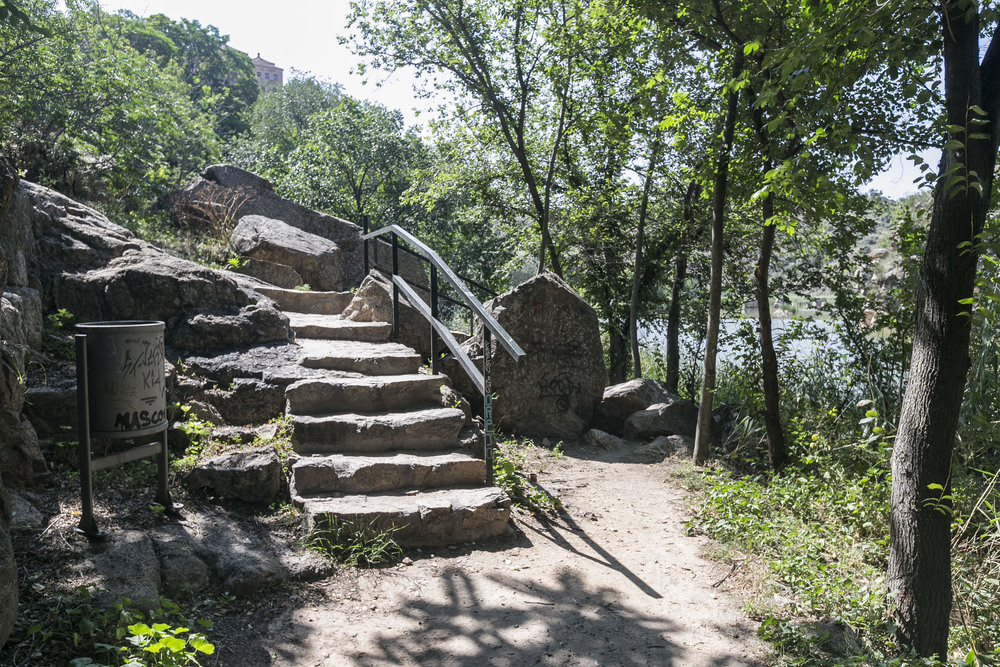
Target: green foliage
<point>234,263</point>
<point>508,474</point>
<point>12,13</point>
<point>220,79</point>
<point>820,529</point>
<point>281,440</point>
<point>331,152</point>
<point>94,117</point>
<point>57,340</point>
<point>60,319</point>
<point>194,428</point>
<point>122,634</point>
<point>354,543</point>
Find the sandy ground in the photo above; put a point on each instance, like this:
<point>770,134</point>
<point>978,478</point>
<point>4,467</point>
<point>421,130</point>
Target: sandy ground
<point>612,580</point>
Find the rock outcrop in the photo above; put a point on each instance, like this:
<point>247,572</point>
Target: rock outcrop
<point>231,192</point>
<point>373,303</point>
<point>12,439</point>
<point>644,408</point>
<point>20,330</point>
<point>79,260</point>
<point>202,307</point>
<point>8,570</point>
<point>679,417</point>
<point>253,477</point>
<point>554,390</point>
<point>315,259</point>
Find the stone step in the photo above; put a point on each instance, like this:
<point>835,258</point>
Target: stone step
<point>375,473</point>
<point>434,429</point>
<point>302,301</point>
<point>358,357</point>
<point>379,393</point>
<point>423,518</point>
<point>333,327</point>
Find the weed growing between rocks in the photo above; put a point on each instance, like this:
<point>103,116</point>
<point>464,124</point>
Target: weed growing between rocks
<point>354,543</point>
<point>508,474</point>
<point>193,243</point>
<point>281,440</point>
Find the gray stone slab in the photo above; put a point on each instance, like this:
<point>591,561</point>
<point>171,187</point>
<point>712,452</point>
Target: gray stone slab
<point>376,473</point>
<point>305,301</point>
<point>353,356</point>
<point>424,518</point>
<point>435,429</point>
<point>333,327</point>
<point>364,394</point>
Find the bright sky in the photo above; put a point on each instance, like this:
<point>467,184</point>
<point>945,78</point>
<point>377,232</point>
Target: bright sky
<point>302,34</point>
<point>897,179</point>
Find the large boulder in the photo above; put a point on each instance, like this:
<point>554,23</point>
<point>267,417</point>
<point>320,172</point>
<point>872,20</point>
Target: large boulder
<point>45,234</point>
<point>554,389</point>
<point>202,308</point>
<point>234,193</point>
<point>11,401</point>
<point>679,417</point>
<point>621,401</point>
<point>21,459</point>
<point>224,194</point>
<point>317,260</point>
<point>79,260</point>
<point>667,445</point>
<point>254,476</point>
<point>373,303</point>
<point>272,273</point>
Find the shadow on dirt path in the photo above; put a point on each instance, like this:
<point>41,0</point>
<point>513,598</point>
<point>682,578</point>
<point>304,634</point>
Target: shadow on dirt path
<point>613,580</point>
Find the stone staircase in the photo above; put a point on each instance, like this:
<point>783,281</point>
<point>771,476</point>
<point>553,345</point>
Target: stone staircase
<point>373,443</point>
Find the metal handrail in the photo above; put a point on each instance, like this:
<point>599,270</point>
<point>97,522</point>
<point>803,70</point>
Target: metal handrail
<point>456,348</point>
<point>466,279</point>
<point>491,327</point>
<point>513,349</point>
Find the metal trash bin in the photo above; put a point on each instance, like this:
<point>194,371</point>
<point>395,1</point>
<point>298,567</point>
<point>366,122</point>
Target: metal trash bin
<point>126,383</point>
<point>121,394</point>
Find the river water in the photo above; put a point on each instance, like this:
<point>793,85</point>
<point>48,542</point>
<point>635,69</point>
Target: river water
<point>793,338</point>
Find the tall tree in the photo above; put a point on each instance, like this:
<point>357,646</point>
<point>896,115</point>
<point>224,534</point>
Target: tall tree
<point>703,432</point>
<point>353,160</point>
<point>86,113</point>
<point>919,571</point>
<point>811,71</point>
<point>221,79</point>
<point>490,52</point>
<point>278,122</point>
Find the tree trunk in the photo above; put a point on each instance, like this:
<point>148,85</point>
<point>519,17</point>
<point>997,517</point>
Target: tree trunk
<point>617,346</point>
<point>640,234</point>
<point>777,451</point>
<point>674,323</point>
<point>680,275</point>
<point>703,432</point>
<point>919,571</point>
<point>617,359</point>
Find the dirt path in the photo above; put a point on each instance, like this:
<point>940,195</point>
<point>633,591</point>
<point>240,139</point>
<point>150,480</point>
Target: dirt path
<point>611,581</point>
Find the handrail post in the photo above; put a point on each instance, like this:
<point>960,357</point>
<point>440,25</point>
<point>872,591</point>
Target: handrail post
<point>395,288</point>
<point>434,313</point>
<point>488,404</point>
<point>364,222</point>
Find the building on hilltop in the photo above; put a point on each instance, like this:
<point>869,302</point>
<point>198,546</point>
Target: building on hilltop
<point>269,77</point>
